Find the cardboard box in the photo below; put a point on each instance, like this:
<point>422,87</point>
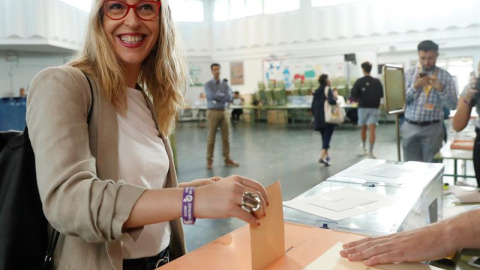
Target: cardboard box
<point>277,117</point>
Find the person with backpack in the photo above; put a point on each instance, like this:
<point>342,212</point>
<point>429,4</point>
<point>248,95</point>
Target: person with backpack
<point>368,91</point>
<point>109,185</point>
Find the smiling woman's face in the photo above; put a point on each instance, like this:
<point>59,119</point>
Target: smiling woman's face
<point>131,37</point>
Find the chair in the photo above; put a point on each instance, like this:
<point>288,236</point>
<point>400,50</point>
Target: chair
<point>270,97</point>
<point>279,93</point>
<point>261,86</point>
<point>315,85</point>
<point>352,82</point>
<point>297,84</point>
<point>340,82</point>
<point>271,84</point>
<point>306,88</point>
<point>262,96</point>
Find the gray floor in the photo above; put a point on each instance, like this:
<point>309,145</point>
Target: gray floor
<point>268,153</point>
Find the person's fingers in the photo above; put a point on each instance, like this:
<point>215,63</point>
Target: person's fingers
<point>216,178</point>
<point>260,213</point>
<point>356,243</point>
<point>395,256</point>
<point>359,246</point>
<point>239,213</point>
<point>252,184</point>
<point>369,250</point>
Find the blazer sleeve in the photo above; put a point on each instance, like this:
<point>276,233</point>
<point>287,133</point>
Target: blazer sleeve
<point>75,201</point>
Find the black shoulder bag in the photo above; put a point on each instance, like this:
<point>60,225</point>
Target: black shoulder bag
<point>24,242</point>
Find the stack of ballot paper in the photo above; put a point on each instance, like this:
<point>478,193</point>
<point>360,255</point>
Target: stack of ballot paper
<point>466,194</point>
<point>342,203</point>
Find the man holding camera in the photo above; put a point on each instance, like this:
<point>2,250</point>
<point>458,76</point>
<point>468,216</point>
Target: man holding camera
<point>429,89</point>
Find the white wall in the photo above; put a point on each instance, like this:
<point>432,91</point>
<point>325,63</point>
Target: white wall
<point>17,72</point>
<point>42,23</point>
<point>376,31</point>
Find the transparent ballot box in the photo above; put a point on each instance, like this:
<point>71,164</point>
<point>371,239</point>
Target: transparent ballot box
<point>413,190</point>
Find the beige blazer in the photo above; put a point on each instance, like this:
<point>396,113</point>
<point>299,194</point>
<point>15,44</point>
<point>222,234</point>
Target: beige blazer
<point>77,167</point>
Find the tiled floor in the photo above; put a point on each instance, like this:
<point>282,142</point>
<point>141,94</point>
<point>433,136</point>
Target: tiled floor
<point>267,153</point>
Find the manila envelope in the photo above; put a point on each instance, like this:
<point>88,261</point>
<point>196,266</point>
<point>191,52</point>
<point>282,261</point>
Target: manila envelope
<point>268,239</point>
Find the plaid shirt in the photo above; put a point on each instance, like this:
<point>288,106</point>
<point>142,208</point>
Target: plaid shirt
<point>416,100</point>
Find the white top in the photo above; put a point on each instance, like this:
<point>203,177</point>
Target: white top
<point>143,161</point>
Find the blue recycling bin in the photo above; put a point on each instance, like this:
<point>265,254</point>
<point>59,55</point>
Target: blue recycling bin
<point>12,113</point>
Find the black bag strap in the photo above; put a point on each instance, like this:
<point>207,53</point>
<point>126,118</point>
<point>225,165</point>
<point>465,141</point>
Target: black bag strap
<point>55,235</point>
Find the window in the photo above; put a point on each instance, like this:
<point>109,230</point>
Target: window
<point>237,9</point>
<point>220,10</point>
<point>187,10</point>
<point>253,7</point>
<point>234,9</point>
<point>325,3</point>
<point>277,6</point>
<point>83,5</point>
<point>461,69</point>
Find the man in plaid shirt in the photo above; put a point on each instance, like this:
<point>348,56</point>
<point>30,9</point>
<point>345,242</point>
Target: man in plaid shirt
<point>429,89</point>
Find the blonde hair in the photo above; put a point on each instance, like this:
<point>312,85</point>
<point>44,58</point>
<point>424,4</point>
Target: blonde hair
<point>163,72</point>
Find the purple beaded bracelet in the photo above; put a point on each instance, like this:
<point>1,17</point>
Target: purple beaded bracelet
<point>187,206</point>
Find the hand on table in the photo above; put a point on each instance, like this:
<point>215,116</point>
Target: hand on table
<point>413,246</point>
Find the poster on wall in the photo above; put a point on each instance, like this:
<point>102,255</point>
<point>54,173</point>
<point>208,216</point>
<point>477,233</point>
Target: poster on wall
<point>236,73</point>
<point>196,74</point>
<point>289,70</point>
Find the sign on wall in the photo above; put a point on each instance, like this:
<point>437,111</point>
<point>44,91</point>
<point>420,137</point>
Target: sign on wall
<point>236,73</point>
<point>289,70</point>
<point>199,73</point>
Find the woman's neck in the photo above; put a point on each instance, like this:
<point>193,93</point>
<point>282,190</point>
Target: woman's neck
<point>131,75</point>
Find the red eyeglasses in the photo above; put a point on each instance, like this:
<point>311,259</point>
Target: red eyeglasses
<point>145,10</point>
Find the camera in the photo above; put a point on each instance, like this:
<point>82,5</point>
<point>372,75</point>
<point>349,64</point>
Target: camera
<point>422,74</point>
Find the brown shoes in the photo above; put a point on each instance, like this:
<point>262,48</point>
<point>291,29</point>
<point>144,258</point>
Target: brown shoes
<point>231,163</point>
<point>228,163</point>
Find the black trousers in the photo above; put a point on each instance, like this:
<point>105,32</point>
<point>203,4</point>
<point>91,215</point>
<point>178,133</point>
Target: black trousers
<point>149,263</point>
<point>326,132</point>
<point>236,114</point>
<point>476,156</point>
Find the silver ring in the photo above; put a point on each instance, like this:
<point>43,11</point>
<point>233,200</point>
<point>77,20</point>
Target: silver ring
<point>250,202</point>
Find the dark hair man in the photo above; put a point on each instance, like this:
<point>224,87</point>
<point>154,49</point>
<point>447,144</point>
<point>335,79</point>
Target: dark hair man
<point>219,94</point>
<point>429,89</point>
<point>368,91</point>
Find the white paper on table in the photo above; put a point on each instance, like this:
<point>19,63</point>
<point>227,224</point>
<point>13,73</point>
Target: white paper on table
<point>393,174</point>
<point>331,260</point>
<point>466,194</point>
<point>342,203</point>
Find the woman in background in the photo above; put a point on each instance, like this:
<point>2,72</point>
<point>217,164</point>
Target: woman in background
<point>326,129</point>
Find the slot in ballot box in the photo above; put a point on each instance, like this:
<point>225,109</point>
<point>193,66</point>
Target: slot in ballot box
<point>415,187</point>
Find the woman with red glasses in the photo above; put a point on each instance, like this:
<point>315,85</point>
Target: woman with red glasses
<point>99,128</point>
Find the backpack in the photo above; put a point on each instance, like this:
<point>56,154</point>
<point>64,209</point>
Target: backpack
<point>24,240</point>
